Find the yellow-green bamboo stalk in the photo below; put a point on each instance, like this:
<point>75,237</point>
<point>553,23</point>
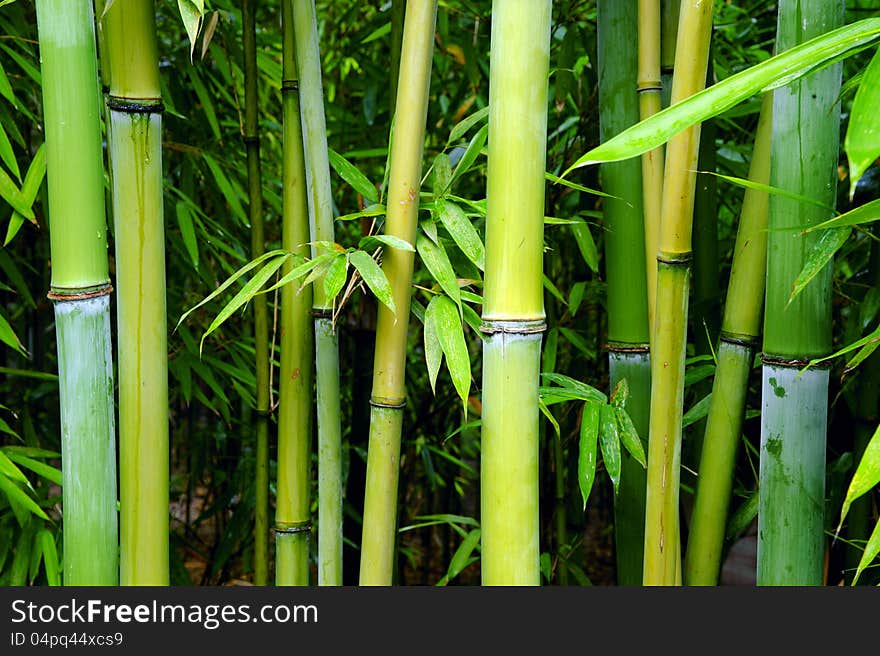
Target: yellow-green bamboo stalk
<point>296,375</point>
<point>261,313</point>
<point>513,309</point>
<point>389,390</point>
<point>80,289</point>
<point>662,551</point>
<point>739,334</point>
<point>806,137</point>
<point>308,65</point>
<point>649,88</point>
<point>135,143</point>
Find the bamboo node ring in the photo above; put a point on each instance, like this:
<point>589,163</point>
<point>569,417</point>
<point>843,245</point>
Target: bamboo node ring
<point>293,527</point>
<point>97,292</point>
<point>525,327</point>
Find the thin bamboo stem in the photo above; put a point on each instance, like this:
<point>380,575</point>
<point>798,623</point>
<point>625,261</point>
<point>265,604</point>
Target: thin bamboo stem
<point>389,390</point>
<point>513,309</point>
<point>296,376</point>
<point>739,334</point>
<point>261,313</point>
<point>80,289</point>
<point>662,564</point>
<point>135,141</point>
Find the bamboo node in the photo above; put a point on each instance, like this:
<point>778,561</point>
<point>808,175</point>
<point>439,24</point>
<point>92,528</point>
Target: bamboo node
<point>524,327</point>
<point>290,85</point>
<point>135,105</point>
<point>675,259</point>
<point>749,341</point>
<point>391,405</point>
<point>293,527</point>
<point>793,363</point>
<point>619,347</point>
<point>322,313</point>
<point>80,295</point>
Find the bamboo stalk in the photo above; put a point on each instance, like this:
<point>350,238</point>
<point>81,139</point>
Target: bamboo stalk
<point>80,289</point>
<point>628,330</point>
<point>134,104</point>
<point>662,565</point>
<point>296,377</point>
<point>649,88</point>
<point>308,65</point>
<point>806,124</point>
<point>739,335</point>
<point>513,305</point>
<point>389,391</point>
<point>261,314</point>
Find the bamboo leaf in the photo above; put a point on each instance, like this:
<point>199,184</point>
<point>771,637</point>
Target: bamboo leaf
<point>378,33</point>
<point>609,443</point>
<point>444,314</point>
<point>867,339</point>
<point>225,187</point>
<point>376,209</point>
<point>245,294</point>
<point>867,213</point>
<point>8,336</point>
<point>555,179</point>
<point>584,391</point>
<point>334,279</point>
<point>437,262</point>
<point>820,254</point>
<point>442,176</point>
<point>7,154</point>
<point>770,189</point>
<point>462,556</point>
<point>8,469</point>
<point>586,245</point>
<point>862,141</point>
<point>388,240</point>
<point>460,128</point>
<point>872,548</point>
<point>629,436</point>
<point>187,232</point>
<point>16,495</point>
<point>620,394</point>
<point>40,468</point>
<point>231,279</point>
<point>462,232</point>
<point>374,277</point>
<point>352,175</point>
<point>863,354</point>
<point>550,287</point>
<point>29,188</point>
<point>742,516</point>
<point>433,350</point>
<point>699,410</point>
<point>549,415</point>
<point>578,342</point>
<point>50,556</point>
<point>302,269</point>
<point>12,195</point>
<point>5,87</point>
<point>470,154</point>
<point>191,12</point>
<point>775,72</point>
<point>866,477</point>
<point>587,444</point>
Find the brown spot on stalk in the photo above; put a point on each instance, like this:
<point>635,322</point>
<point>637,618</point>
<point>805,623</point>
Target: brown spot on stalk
<point>294,374</point>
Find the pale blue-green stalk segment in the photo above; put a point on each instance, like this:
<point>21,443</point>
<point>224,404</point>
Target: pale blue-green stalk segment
<point>791,541</point>
<point>88,441</point>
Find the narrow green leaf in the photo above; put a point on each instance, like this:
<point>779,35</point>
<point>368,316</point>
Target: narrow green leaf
<point>870,553</point>
<point>302,269</point>
<point>8,469</point>
<point>378,33</point>
<point>40,468</point>
<point>449,330</point>
<point>29,189</point>
<point>12,195</point>
<point>863,354</point>
<point>775,72</point>
<point>862,141</point>
<point>555,179</point>
<point>699,410</point>
<point>867,339</point>
<point>587,392</point>
<point>609,443</point>
<point>462,556</point>
<point>769,189</point>
<point>550,287</point>
<point>586,245</point>
<point>377,209</point>
<point>388,240</point>
<point>742,517</point>
<point>867,213</point>
<point>191,12</point>
<point>16,495</point>
<point>437,262</point>
<point>578,342</point>
<point>29,69</point>
<point>375,278</point>
<point>245,294</point>
<point>352,175</point>
<point>629,436</point>
<point>460,128</point>
<point>820,254</point>
<point>334,279</point>
<point>442,176</point>
<point>470,154</point>
<point>866,477</point>
<point>5,87</point>
<point>462,231</point>
<point>620,394</point>
<point>15,223</point>
<point>589,434</point>
<point>7,154</point>
<point>205,101</point>
<point>187,232</point>
<point>50,556</point>
<point>433,349</point>
<point>8,336</point>
<point>225,187</point>
<point>231,279</point>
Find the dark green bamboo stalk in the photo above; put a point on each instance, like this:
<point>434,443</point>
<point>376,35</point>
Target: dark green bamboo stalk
<point>662,565</point>
<point>261,314</point>
<point>308,64</point>
<point>739,337</point>
<point>80,289</point>
<point>389,392</point>
<point>806,125</point>
<point>296,377</point>
<point>398,12</point>
<point>628,332</point>
<point>513,308</point>
<point>134,104</point>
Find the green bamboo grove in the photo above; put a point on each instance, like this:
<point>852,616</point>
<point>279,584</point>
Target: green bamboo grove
<point>498,293</point>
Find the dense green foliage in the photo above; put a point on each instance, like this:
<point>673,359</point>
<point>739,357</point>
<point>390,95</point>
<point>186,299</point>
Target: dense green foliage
<point>212,386</point>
